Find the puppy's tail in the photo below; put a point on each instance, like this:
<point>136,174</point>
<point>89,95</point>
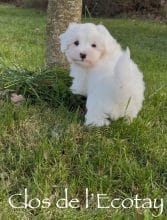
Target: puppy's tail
<point>125,56</point>
<point>124,65</point>
<point>127,52</point>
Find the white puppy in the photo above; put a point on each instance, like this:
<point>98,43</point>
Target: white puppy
<point>102,72</point>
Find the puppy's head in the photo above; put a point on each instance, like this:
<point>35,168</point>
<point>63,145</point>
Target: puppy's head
<point>86,44</point>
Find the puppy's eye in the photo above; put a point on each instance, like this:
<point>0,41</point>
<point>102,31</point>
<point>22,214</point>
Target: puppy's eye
<point>93,45</point>
<point>76,42</point>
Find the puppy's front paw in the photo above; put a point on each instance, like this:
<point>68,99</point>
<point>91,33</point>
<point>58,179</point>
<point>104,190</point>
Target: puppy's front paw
<point>97,122</point>
<point>73,90</point>
<point>77,91</point>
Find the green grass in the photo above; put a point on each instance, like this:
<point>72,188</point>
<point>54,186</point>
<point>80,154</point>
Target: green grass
<point>24,31</point>
<point>44,145</point>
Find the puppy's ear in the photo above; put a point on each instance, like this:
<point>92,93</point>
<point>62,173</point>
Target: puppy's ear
<point>64,37</point>
<point>103,30</point>
<point>109,42</point>
<point>72,25</point>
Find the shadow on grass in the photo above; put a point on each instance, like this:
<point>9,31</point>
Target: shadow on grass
<point>43,85</point>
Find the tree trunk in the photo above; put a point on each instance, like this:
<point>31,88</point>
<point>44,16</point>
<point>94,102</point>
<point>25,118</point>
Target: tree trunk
<point>164,8</point>
<point>60,14</point>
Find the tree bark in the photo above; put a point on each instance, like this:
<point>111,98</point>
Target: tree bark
<point>164,8</point>
<point>60,14</point>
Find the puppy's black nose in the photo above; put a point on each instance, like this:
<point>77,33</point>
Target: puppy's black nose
<point>83,56</point>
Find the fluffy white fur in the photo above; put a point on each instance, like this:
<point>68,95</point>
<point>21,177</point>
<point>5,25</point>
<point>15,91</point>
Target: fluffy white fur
<point>102,72</point>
